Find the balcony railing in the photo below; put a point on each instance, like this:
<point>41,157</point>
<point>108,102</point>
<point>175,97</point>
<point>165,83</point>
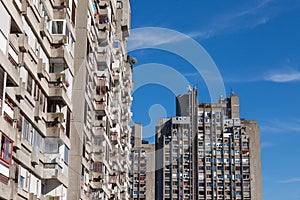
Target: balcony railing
<point>60,3</point>
<point>59,93</point>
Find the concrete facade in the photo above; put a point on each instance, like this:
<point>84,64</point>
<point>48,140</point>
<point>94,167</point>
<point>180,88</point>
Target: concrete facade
<point>143,167</point>
<point>65,84</point>
<point>218,157</point>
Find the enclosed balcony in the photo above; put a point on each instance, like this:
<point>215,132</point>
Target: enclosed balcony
<point>60,3</point>
<point>57,174</point>
<point>55,117</point>
<point>99,131</point>
<point>96,176</point>
<point>59,93</point>
<point>103,59</point>
<point>58,131</point>
<point>60,54</point>
<point>100,107</point>
<point>98,157</point>
<point>55,168</point>
<point>100,122</point>
<point>114,136</point>
<point>103,38</point>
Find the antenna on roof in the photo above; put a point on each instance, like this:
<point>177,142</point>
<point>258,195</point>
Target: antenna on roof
<point>231,91</point>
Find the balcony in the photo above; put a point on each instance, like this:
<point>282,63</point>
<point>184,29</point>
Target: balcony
<point>98,149</point>
<point>57,78</point>
<point>103,39</point>
<point>61,54</point>
<point>23,43</point>
<point>56,174</point>
<point>101,81</point>
<point>99,131</point>
<point>59,94</point>
<point>58,131</point>
<point>59,39</point>
<point>100,157</point>
<point>60,13</point>
<point>125,19</point>
<point>100,123</point>
<point>113,180</point>
<point>99,97</point>
<point>56,168</point>
<point>103,59</point>
<point>100,107</point>
<point>97,184</point>
<point>116,76</point>
<point>60,3</point>
<point>96,175</point>
<point>55,117</point>
<point>114,138</point>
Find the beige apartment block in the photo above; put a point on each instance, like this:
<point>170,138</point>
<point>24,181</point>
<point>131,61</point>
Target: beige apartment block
<point>143,166</point>
<point>65,99</point>
<point>216,156</point>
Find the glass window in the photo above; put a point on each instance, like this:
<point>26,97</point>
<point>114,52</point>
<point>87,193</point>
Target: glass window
<point>57,27</point>
<point>6,149</point>
<point>51,145</point>
<point>29,84</point>
<point>66,155</point>
<point>36,139</point>
<point>26,130</point>
<point>97,167</point>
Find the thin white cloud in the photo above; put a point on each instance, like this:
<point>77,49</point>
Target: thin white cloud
<point>280,126</point>
<point>246,18</point>
<point>291,180</point>
<point>148,38</point>
<point>264,145</point>
<point>283,77</point>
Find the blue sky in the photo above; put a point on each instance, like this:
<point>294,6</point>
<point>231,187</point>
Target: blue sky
<point>256,47</point>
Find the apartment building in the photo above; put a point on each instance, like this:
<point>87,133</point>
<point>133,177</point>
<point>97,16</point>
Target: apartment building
<point>208,154</point>
<point>103,82</point>
<point>143,166</point>
<point>65,83</point>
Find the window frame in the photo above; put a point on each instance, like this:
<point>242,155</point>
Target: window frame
<point>3,149</point>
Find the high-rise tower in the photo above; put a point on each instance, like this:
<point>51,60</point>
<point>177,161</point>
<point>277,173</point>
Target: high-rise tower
<point>218,157</point>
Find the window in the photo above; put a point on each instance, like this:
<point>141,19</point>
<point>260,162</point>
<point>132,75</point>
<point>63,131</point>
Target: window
<point>246,144</point>
<point>97,167</point>
<point>238,176</point>
<point>6,149</point>
<point>101,90</point>
<point>51,145</point>
<point>36,139</point>
<point>58,27</point>
<point>66,155</point>
<point>29,84</point>
<point>22,182</point>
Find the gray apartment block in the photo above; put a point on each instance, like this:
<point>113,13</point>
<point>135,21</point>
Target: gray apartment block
<point>65,84</point>
<point>143,167</point>
<point>218,157</point>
